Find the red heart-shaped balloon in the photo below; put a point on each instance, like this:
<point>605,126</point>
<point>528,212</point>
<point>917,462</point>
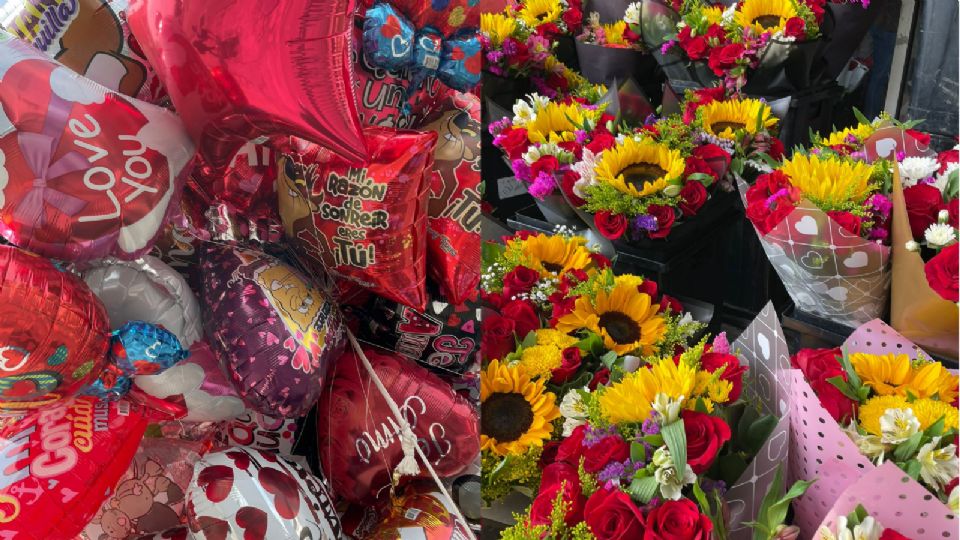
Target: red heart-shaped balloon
<point>359,439</point>
<point>253,521</point>
<point>216,481</point>
<point>284,489</point>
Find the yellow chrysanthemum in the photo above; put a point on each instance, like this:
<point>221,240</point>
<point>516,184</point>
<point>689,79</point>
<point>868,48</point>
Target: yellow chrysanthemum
<point>614,33</point>
<point>860,133</point>
<point>829,180</point>
<point>927,411</point>
<point>556,338</point>
<point>540,360</point>
<point>626,319</point>
<point>497,27</point>
<point>725,118</point>
<point>553,256</point>
<point>645,164</point>
<point>515,412</point>
<point>765,15</point>
<point>895,374</point>
<point>631,399</point>
<point>537,12</point>
<point>556,122</point>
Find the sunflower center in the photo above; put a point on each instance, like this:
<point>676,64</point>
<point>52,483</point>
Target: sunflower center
<point>718,127</point>
<point>505,416</point>
<point>552,267</point>
<point>640,173</point>
<point>768,21</point>
<point>620,327</point>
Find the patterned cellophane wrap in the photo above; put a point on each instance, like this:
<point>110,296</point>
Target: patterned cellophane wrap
<point>827,270</point>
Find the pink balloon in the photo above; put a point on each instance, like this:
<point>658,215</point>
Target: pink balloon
<point>240,69</point>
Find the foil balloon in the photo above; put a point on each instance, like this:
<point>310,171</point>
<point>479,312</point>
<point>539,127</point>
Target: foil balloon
<point>92,38</point>
<point>151,494</point>
<point>247,184</point>
<point>61,462</point>
<point>137,348</point>
<point>254,430</point>
<point>423,514</point>
<point>446,16</point>
<point>273,331</point>
<point>364,223</point>
<point>54,336</point>
<point>238,70</point>
<point>257,495</point>
<point>199,384</point>
<point>177,533</point>
<point>359,439</point>
<point>148,290</point>
<point>84,172</point>
<point>453,246</point>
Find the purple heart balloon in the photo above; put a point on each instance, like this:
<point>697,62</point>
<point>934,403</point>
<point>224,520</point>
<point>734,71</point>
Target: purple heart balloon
<point>274,332</point>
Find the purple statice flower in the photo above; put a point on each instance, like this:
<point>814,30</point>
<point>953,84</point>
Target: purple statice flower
<point>667,45</point>
<point>851,138</point>
<point>521,170</point>
<point>509,47</point>
<point>645,223</point>
<point>650,119</point>
<point>878,233</point>
<point>580,136</point>
<point>494,57</point>
<point>613,471</point>
<point>720,344</point>
<point>497,126</point>
<point>651,426</point>
<point>815,151</point>
<point>772,200</point>
<point>542,186</point>
<point>858,155</point>
<point>592,435</point>
<point>880,204</point>
<point>709,485</point>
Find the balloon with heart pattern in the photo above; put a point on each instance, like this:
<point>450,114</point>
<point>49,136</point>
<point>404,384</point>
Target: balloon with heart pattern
<point>214,57</point>
<point>257,495</point>
<point>274,332</point>
<point>447,16</point>
<point>54,336</point>
<point>62,462</point>
<point>84,172</point>
<point>359,439</point>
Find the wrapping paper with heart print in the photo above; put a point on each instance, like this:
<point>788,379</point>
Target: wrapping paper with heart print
<point>84,172</point>
<point>60,463</point>
<point>150,497</point>
<point>896,502</point>
<point>827,270</point>
<point>762,348</point>
<point>258,495</point>
<point>92,38</point>
<point>254,430</point>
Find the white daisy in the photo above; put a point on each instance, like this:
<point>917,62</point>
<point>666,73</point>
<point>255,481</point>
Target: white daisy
<point>939,234</point>
<point>914,169</point>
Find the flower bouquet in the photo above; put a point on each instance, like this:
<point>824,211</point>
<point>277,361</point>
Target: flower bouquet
<point>861,525</point>
<point>822,218</point>
<point>614,51</point>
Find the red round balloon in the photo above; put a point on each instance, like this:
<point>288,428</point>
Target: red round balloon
<point>84,172</point>
<point>359,439</point>
<point>61,463</point>
<point>55,332</point>
<point>422,513</point>
<point>363,223</point>
<point>238,70</point>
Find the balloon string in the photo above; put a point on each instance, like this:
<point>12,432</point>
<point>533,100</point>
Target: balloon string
<point>406,431</point>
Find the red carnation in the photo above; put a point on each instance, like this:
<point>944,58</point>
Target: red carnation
<point>795,27</point>
<point>725,58</point>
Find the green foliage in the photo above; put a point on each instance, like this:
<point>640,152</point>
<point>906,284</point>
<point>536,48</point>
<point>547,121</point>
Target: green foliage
<point>774,507</point>
<point>556,530</point>
<point>501,474</point>
<point>604,197</point>
<point>676,440</point>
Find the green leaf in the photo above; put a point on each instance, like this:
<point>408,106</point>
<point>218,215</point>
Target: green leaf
<point>638,452</point>
<point>844,387</point>
<point>759,432</point>
<point>750,415</point>
<point>676,439</point>
<point>935,429</point>
<point>701,406</point>
<point>912,468</point>
<point>720,530</point>
<point>908,448</point>
<point>491,251</point>
<point>529,340</point>
<point>859,116</point>
<point>767,159</point>
<point>654,440</point>
<point>852,376</point>
<point>703,178</point>
<point>763,514</point>
<point>716,519</point>
<point>608,359</point>
<point>731,466</point>
<point>643,489</point>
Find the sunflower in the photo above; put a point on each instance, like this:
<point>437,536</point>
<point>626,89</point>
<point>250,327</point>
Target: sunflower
<point>515,412</point>
<point>927,412</point>
<point>765,15</point>
<point>829,181</point>
<point>497,27</point>
<point>712,14</point>
<point>859,133</point>
<point>896,374</point>
<point>553,256</point>
<point>537,12</point>
<point>626,319</point>
<point>631,399</point>
<point>556,122</point>
<point>725,118</point>
<point>645,164</point>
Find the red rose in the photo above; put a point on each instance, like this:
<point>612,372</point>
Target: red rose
<point>523,315</point>
<point>671,304</point>
<point>648,287</point>
<point>814,363</point>
<point>514,142</point>
<point>558,82</point>
<point>725,58</point>
<point>549,453</point>
<point>557,473</point>
<point>921,137</point>
<point>569,364</point>
<point>732,370</point>
<point>604,452</point>
<point>692,197</point>
<point>846,220</point>
<point>601,142</point>
<point>612,515</point>
<point>953,208</point>
<point>611,226</point>
<point>890,534</point>
<point>497,339</point>
<point>572,18</point>
<point>599,261</point>
<point>947,157</point>
<point>567,182</point>
<point>716,34</point>
<point>695,47</point>
<point>664,216</point>
<point>494,300</point>
<point>547,30</point>
<point>942,271</point>
<point>547,164</point>
<point>766,216</point>
<point>600,377</point>
<point>561,306</point>
<point>795,28</point>
<point>522,54</point>
<point>677,520</point>
<point>572,447</point>
<point>923,204</point>
<point>556,477</point>
<point>705,436</point>
<point>714,156</point>
<point>776,149</point>
<point>519,281</point>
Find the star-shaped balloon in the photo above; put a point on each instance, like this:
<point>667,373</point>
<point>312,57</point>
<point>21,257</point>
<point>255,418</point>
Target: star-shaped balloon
<point>239,70</point>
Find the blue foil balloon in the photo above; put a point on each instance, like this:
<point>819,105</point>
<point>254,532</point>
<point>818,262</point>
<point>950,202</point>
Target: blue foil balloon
<point>137,348</point>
